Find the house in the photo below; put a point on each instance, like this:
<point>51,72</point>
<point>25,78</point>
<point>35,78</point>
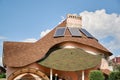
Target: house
<point>116,60</point>
<point>68,52</point>
<point>115,63</point>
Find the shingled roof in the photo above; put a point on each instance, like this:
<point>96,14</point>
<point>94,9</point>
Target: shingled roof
<point>18,54</point>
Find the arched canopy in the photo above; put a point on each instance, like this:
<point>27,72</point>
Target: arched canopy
<point>70,60</point>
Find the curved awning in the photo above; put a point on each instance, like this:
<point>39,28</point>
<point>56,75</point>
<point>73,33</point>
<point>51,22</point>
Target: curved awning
<point>70,60</point>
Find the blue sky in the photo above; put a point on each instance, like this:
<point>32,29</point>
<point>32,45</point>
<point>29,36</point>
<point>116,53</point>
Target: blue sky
<point>21,20</point>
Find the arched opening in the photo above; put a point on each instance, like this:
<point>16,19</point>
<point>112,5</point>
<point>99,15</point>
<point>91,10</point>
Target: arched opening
<point>28,74</point>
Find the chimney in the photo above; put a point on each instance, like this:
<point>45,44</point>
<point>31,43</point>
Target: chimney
<point>74,20</point>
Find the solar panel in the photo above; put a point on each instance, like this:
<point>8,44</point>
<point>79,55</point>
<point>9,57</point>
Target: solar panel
<point>75,31</point>
<point>60,32</point>
<point>86,33</point>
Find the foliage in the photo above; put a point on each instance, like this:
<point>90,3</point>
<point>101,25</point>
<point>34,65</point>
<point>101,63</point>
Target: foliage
<point>114,75</point>
<point>96,75</point>
<point>2,75</point>
<point>116,67</point>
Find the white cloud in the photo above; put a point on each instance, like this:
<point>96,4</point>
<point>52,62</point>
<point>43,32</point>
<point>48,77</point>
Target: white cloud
<point>30,40</point>
<point>1,61</point>
<point>1,44</point>
<point>62,19</point>
<point>102,25</point>
<point>2,37</point>
<point>118,55</point>
<point>43,33</point>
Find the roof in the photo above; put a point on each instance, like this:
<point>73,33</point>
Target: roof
<point>18,54</point>
<point>70,60</point>
<point>116,60</point>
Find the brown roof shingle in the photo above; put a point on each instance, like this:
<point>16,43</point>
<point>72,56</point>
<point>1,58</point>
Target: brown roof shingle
<point>18,54</point>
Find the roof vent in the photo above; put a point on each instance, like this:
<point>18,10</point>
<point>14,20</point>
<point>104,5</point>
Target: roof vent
<point>74,20</point>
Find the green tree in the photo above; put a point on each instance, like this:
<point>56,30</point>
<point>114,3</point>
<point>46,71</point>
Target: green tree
<point>114,75</point>
<point>2,75</point>
<point>118,68</point>
<point>96,75</point>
